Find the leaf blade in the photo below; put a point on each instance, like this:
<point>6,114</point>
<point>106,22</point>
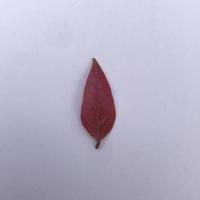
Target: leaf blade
<point>98,110</point>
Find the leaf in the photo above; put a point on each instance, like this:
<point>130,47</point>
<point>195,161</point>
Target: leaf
<point>98,109</point>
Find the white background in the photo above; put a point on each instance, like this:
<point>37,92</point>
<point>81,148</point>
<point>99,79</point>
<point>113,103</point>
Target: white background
<point>150,52</point>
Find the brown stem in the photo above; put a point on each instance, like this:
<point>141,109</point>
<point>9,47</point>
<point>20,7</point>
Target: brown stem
<point>98,144</point>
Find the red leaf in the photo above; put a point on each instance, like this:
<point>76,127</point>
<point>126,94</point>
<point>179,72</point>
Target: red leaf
<point>98,109</point>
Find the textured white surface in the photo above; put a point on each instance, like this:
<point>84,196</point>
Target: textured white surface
<point>150,51</point>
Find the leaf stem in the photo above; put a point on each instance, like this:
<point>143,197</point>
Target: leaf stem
<point>98,144</point>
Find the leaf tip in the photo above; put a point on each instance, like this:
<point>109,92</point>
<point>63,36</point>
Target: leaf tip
<point>94,60</point>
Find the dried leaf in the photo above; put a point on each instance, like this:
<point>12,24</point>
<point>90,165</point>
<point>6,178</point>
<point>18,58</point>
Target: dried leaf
<point>98,109</point>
